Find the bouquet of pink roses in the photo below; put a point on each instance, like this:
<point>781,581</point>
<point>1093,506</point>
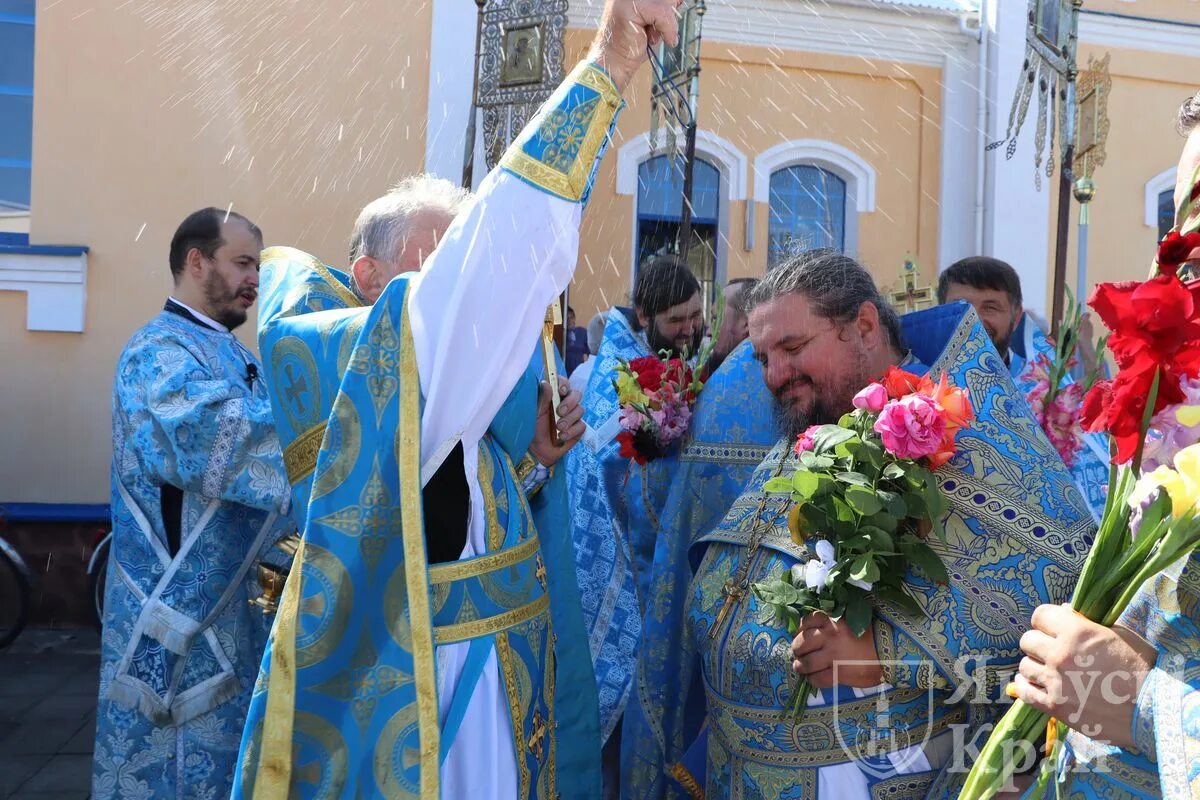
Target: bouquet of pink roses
<point>864,489</point>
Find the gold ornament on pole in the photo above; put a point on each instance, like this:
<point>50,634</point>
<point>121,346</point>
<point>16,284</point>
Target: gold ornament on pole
<point>272,576</point>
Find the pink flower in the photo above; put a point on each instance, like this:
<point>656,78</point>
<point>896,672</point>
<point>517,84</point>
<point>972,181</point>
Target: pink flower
<point>911,427</point>
<point>631,418</point>
<point>872,398</point>
<point>675,424</point>
<point>805,441</point>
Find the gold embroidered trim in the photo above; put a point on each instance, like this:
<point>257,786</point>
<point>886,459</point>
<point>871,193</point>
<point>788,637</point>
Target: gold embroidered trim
<point>684,778</point>
<point>408,445</point>
<point>903,787</point>
<point>313,263</point>
<point>482,565</point>
<point>300,457</point>
<point>273,777</point>
<point>445,634</point>
<point>516,708</point>
<point>571,184</point>
<point>821,730</point>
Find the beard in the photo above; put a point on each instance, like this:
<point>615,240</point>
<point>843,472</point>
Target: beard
<point>223,301</point>
<point>659,343</point>
<point>831,399</point>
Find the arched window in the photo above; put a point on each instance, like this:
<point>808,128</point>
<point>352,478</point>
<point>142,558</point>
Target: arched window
<point>659,210</point>
<point>1166,212</point>
<point>808,211</point>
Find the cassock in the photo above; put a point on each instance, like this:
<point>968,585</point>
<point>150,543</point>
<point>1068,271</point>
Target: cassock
<point>396,670</point>
<point>198,495</point>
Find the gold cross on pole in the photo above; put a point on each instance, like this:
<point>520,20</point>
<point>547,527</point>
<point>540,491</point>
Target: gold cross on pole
<point>910,297</point>
<point>553,318</point>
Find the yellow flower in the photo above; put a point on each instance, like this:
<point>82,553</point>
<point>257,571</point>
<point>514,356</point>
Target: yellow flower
<point>1181,483</point>
<point>629,392</point>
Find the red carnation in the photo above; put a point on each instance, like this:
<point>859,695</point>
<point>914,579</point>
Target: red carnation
<point>649,371</point>
<point>1174,249</point>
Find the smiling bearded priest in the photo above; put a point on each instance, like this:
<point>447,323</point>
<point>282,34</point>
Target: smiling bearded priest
<point>881,727</point>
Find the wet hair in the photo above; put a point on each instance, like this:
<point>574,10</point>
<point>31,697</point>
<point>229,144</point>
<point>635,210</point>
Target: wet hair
<point>201,230</point>
<point>835,284</point>
<point>384,222</point>
<point>981,272</point>
<point>1188,117</point>
<point>664,282</point>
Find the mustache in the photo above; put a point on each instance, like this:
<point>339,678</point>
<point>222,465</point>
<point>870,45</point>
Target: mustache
<point>799,380</point>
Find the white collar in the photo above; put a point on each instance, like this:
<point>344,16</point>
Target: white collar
<point>202,317</point>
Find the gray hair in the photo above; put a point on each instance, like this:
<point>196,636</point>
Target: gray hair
<point>834,283</point>
<point>382,225</point>
<point>595,333</point>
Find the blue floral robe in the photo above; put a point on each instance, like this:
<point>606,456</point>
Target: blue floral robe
<point>181,644</point>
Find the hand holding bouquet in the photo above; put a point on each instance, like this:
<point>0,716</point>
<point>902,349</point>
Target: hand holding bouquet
<point>864,490</point>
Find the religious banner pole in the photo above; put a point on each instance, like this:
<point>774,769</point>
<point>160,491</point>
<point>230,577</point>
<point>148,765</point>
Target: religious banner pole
<point>518,63</point>
<point>1066,178</point>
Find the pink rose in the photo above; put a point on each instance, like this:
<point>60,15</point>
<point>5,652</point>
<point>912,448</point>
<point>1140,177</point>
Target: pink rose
<point>872,398</point>
<point>805,441</point>
<point>911,427</point>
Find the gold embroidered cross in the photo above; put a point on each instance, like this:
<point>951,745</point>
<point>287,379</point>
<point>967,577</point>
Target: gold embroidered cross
<point>540,572</point>
<point>539,733</point>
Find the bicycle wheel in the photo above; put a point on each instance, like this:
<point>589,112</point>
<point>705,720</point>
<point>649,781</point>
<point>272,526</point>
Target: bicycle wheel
<point>15,596</point>
<point>98,580</point>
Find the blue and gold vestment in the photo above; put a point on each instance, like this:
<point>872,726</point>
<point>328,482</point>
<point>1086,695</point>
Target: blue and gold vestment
<point>1015,539</point>
<point>347,704</point>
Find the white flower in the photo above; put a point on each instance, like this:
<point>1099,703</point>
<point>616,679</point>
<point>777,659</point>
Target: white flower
<point>816,571</point>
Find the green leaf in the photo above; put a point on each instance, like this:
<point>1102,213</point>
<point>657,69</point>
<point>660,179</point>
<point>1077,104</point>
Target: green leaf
<point>864,569</point>
<point>778,486</point>
<point>825,485</point>
<point>855,478</point>
<point>842,510</point>
<point>776,592</point>
<point>893,472</point>
<point>863,500</point>
<point>923,556</point>
<point>858,614</point>
<point>883,520</point>
<point>828,437</point>
<point>872,453</point>
<point>893,503</point>
<point>813,462</point>
<point>858,543</point>
<point>804,483</point>
<point>880,539</point>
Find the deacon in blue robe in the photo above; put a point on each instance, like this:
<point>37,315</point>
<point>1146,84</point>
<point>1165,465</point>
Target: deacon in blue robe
<point>198,495</point>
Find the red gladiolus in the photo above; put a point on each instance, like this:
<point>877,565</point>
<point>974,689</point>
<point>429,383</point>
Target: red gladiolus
<point>1174,249</point>
<point>628,449</point>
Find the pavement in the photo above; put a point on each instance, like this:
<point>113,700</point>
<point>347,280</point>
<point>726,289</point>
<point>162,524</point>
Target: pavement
<point>48,686</point>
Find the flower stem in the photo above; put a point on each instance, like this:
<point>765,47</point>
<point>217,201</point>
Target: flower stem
<point>1147,415</point>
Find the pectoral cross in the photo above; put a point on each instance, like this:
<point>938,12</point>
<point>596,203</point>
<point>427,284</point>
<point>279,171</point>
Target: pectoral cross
<point>539,733</point>
<point>734,592</point>
<point>553,318</point>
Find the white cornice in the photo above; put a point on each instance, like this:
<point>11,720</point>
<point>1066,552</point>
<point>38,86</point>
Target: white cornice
<point>55,285</point>
<point>908,35</point>
<point>725,156</point>
<point>1138,34</point>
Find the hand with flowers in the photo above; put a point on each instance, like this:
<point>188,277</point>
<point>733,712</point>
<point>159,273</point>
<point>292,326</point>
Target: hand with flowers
<point>656,397</point>
<point>865,499</point>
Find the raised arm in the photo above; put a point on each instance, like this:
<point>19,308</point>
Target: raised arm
<point>480,300</point>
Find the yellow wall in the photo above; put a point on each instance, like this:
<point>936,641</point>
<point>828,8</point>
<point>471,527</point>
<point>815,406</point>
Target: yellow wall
<point>295,113</point>
<point>1142,142</point>
<point>756,98</point>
